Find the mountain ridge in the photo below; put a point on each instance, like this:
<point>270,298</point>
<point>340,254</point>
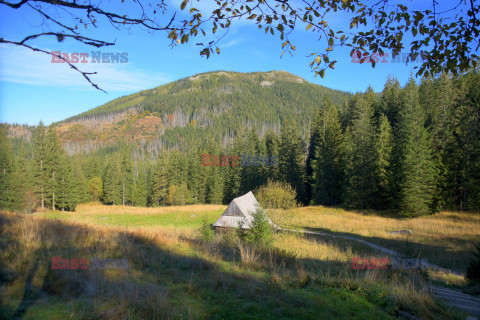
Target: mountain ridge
<point>216,105</point>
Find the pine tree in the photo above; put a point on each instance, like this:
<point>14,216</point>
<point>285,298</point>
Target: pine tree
<point>361,165</point>
<point>291,160</point>
<point>251,175</point>
<point>67,195</point>
<point>315,139</point>
<point>126,177</point>
<point>160,182</point>
<point>437,99</point>
<point>140,185</point>
<point>80,182</point>
<point>6,170</point>
<point>383,148</point>
<point>39,159</point>
<point>21,195</point>
<point>466,158</point>
<point>414,167</point>
<point>53,154</point>
<point>390,101</point>
<point>272,143</point>
<point>234,171</point>
<point>112,193</point>
<point>327,161</point>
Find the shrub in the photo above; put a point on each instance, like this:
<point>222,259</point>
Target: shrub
<point>261,232</point>
<point>206,231</point>
<point>276,195</point>
<point>473,270</point>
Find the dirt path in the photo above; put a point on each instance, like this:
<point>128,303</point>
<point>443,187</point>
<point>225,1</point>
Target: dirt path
<point>458,299</point>
<point>452,297</point>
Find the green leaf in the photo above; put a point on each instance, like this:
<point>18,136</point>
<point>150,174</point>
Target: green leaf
<point>414,31</point>
<point>184,4</point>
<point>309,26</point>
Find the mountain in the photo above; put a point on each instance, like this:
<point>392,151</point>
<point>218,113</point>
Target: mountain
<point>214,105</point>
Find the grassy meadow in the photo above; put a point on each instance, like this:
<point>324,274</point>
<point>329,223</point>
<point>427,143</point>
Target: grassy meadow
<point>174,273</point>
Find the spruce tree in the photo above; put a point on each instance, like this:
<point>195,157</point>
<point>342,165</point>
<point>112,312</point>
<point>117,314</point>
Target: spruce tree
<point>251,175</point>
<point>39,159</point>
<point>314,142</point>
<point>327,161</point>
<point>383,149</point>
<point>6,170</point>
<point>80,182</point>
<point>53,154</point>
<point>414,164</point>
<point>272,143</point>
<point>126,177</point>
<point>234,171</point>
<point>140,185</point>
<point>390,101</point>
<point>361,182</point>
<point>67,196</point>
<point>160,182</point>
<point>291,160</point>
<point>467,144</point>
<point>112,193</point>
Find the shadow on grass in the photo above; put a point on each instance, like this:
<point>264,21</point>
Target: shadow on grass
<point>161,282</point>
<point>436,254</point>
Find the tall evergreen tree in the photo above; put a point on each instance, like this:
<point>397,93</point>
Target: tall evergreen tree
<point>251,175</point>
<point>6,170</point>
<point>414,164</point>
<point>112,192</point>
<point>126,177</point>
<point>465,155</point>
<point>361,181</point>
<point>272,143</point>
<point>383,149</point>
<point>39,158</point>
<point>390,101</point>
<point>327,157</point>
<point>67,195</point>
<point>291,160</point>
<point>160,182</point>
<point>53,158</point>
<point>140,185</point>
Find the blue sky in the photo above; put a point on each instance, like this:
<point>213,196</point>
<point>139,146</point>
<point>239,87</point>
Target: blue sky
<point>33,89</point>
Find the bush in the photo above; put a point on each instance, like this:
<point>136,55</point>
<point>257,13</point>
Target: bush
<point>276,195</point>
<point>473,270</point>
<point>206,231</point>
<point>262,231</point>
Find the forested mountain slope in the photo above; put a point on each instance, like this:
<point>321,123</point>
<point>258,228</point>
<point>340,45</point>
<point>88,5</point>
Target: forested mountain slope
<point>216,105</point>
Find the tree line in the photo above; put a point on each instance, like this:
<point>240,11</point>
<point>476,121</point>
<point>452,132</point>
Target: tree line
<point>412,150</point>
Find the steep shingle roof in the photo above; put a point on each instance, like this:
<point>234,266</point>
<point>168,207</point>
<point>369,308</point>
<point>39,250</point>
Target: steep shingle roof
<point>239,212</point>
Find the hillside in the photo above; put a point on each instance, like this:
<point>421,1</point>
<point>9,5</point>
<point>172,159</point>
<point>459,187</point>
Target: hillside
<point>215,104</point>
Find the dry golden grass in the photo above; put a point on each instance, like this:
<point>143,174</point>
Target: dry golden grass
<point>100,209</point>
<point>446,238</point>
<point>166,255</point>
